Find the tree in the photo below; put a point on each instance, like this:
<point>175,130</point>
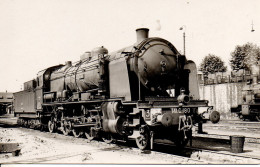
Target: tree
<point>212,64</point>
<point>243,57</point>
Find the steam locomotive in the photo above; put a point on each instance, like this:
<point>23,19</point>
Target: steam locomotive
<point>145,91</point>
<point>249,108</point>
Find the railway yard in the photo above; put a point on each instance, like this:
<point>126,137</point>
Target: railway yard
<point>212,147</point>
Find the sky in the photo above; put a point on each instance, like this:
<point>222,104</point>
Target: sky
<point>36,34</point>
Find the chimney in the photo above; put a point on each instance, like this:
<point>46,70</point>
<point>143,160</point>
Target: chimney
<point>141,34</point>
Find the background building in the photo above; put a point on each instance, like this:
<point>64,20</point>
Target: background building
<point>6,100</point>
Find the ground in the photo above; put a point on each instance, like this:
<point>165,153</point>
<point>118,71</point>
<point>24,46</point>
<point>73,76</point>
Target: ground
<point>44,147</point>
<point>51,148</point>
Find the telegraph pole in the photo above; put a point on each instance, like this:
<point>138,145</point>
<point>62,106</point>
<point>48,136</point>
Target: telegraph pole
<point>184,29</point>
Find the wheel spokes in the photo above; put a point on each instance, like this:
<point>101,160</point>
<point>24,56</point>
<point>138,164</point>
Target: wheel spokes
<point>108,138</point>
<point>89,134</point>
<point>66,128</point>
<point>77,133</point>
<point>142,141</point>
<point>258,118</point>
<point>51,126</point>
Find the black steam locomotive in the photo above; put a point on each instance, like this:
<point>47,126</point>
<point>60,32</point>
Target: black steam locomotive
<point>144,91</point>
<point>249,108</point>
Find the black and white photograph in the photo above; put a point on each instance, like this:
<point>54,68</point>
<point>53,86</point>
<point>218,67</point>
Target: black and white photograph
<point>129,82</point>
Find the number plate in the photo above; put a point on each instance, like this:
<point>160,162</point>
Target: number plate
<point>180,110</point>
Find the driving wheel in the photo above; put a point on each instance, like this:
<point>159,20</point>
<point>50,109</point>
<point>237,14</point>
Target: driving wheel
<point>89,134</point>
<point>66,128</point>
<point>51,126</point>
<point>108,138</point>
<point>77,133</point>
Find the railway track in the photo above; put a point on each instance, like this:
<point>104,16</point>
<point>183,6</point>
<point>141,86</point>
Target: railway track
<point>236,126</point>
<point>196,155</point>
<point>189,155</point>
<point>255,140</point>
<point>99,148</point>
<point>215,157</point>
<point>225,157</point>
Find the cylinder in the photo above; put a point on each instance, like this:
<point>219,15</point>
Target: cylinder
<point>237,144</point>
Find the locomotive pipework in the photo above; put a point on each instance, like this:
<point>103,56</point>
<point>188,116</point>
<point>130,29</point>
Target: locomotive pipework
<point>82,76</point>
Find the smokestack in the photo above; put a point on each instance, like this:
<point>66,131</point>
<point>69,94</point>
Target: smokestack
<point>141,34</point>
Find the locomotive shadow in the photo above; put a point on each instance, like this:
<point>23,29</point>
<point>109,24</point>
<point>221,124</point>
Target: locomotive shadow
<point>157,147</point>
<point>211,143</point>
<point>8,126</point>
<point>172,149</point>
<point>198,143</point>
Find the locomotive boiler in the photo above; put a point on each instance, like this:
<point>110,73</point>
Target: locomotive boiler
<point>145,91</point>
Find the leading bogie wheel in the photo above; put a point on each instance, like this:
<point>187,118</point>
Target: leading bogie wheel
<point>143,141</point>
